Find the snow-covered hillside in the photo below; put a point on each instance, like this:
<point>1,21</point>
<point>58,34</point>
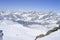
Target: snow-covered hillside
<point>26,25</point>
<point>53,36</point>
<point>15,31</point>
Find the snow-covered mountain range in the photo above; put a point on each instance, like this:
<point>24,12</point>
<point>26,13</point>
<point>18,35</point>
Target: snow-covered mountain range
<point>36,22</point>
<point>28,18</point>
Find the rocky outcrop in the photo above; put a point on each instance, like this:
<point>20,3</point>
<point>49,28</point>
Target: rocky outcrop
<point>49,32</point>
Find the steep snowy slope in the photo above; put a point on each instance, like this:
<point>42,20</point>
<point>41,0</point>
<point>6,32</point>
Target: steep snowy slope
<point>15,31</point>
<point>53,36</point>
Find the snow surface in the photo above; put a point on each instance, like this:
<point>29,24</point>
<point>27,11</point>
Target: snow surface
<point>26,25</point>
<point>53,36</point>
<point>15,31</point>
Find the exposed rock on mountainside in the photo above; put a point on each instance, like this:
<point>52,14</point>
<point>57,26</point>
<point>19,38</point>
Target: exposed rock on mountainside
<point>49,32</point>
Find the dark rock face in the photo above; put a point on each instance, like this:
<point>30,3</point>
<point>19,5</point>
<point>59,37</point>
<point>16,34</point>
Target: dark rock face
<point>1,35</point>
<point>0,31</point>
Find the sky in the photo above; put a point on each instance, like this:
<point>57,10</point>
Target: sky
<point>30,4</point>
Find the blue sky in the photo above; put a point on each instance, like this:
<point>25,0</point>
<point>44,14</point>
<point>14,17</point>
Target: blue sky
<point>31,4</point>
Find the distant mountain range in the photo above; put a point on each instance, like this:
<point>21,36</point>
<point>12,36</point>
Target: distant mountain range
<point>29,18</point>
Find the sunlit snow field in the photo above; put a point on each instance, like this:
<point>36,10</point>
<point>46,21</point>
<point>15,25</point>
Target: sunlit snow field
<point>19,25</point>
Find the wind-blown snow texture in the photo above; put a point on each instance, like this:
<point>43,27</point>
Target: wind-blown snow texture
<point>26,25</point>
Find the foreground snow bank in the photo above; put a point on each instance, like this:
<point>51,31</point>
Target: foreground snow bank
<point>15,31</point>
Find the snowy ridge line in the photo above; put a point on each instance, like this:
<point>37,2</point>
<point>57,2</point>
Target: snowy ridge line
<point>48,33</point>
